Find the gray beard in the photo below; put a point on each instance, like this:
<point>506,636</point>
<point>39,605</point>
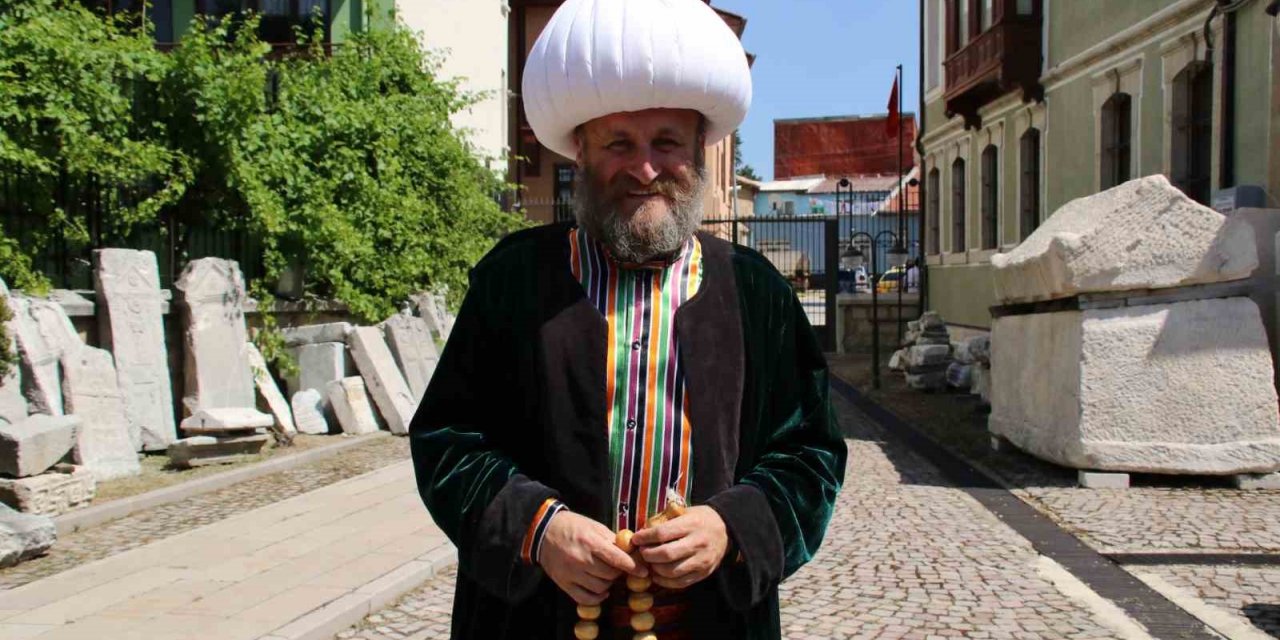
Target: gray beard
<point>624,240</point>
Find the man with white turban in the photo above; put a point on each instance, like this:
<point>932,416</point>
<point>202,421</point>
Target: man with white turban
<point>599,370</point>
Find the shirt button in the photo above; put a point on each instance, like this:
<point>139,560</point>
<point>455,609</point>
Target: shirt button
<point>635,346</point>
<point>631,424</point>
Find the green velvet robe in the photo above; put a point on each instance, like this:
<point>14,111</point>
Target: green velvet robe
<point>515,414</point>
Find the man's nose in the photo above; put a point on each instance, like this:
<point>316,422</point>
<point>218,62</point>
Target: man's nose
<point>643,169</point>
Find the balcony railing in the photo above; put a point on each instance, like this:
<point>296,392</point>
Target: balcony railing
<point>1001,59</point>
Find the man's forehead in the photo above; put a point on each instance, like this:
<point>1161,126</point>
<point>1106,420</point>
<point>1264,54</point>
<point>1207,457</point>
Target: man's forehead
<point>647,122</point>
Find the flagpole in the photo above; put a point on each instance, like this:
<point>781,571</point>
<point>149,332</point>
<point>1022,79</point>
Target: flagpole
<point>902,209</point>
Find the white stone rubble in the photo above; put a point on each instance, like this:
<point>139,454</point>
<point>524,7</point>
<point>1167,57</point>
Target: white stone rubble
<point>350,402</point>
<point>269,392</point>
<point>308,412</point>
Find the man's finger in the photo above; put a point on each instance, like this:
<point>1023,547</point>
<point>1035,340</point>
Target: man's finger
<point>677,569</point>
<point>661,534</point>
<point>682,582</point>
<point>615,558</point>
<point>601,570</point>
<point>669,553</point>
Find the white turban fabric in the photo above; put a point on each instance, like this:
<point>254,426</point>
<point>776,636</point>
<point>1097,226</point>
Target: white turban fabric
<point>599,57</point>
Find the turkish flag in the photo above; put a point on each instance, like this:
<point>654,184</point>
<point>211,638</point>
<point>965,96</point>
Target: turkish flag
<point>892,125</point>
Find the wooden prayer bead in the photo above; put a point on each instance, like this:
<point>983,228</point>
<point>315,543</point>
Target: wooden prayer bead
<point>624,541</point>
<point>645,635</point>
<point>589,612</point>
<point>638,584</point>
<point>640,602</point>
<point>642,621</point>
<point>586,631</point>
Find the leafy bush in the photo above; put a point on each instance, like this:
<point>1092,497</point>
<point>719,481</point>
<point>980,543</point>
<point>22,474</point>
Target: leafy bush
<point>345,166</point>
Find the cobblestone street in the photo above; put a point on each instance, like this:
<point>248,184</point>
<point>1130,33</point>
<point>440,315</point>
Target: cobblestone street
<point>172,519</point>
<point>906,556</point>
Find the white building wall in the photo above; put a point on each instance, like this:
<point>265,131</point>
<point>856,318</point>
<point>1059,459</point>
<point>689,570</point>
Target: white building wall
<point>472,35</point>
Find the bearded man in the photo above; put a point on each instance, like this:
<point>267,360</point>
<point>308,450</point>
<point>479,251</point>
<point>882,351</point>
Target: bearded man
<point>598,370</point>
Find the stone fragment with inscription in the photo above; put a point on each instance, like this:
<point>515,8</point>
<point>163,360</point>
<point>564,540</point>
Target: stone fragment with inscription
<point>51,493</point>
<point>351,405</point>
<point>93,394</point>
<point>218,374</point>
<point>308,412</point>
<point>414,349</point>
<point>383,378</point>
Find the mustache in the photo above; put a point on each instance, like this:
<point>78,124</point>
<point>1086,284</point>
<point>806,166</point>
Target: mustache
<point>666,185</point>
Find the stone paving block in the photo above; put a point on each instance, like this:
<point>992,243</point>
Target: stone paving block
<point>37,443</point>
<point>351,405</point>
<point>92,393</point>
<point>1143,234</point>
<point>316,333</point>
<point>269,393</point>
<point>1103,480</point>
<point>50,493</point>
<point>383,378</point>
<point>130,311</point>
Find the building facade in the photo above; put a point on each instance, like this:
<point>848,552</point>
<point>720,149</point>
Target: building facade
<point>1030,104</point>
<point>842,146</point>
<point>545,178</point>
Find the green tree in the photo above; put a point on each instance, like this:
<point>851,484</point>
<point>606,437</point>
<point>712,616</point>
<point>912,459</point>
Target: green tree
<point>740,167</point>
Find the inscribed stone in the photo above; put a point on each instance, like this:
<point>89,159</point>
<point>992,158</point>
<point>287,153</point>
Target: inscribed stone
<point>269,392</point>
<point>217,357</point>
<point>93,395</point>
<point>318,365</point>
<point>49,494</point>
<point>350,402</point>
<point>1127,389</point>
<point>39,363</point>
<point>55,327</point>
<point>414,349</point>
<point>308,412</point>
<point>383,378</point>
<point>37,443</point>
<point>1143,234</point>
<point>131,326</point>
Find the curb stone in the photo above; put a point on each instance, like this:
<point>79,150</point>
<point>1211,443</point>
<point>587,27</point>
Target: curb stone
<point>115,509</point>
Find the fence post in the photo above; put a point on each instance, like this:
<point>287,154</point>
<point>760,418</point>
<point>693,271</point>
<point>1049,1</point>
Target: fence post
<point>831,265</point>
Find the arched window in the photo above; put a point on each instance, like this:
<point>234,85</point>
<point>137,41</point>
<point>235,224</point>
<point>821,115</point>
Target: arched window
<point>1029,188</point>
<point>1192,135</point>
<point>934,187</point>
<point>990,197</point>
<point>957,205</point>
<point>1117,133</point>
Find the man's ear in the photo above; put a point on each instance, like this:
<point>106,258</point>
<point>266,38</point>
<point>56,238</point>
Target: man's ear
<point>580,146</point>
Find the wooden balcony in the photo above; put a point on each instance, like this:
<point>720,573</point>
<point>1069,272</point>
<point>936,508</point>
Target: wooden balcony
<point>1004,58</point>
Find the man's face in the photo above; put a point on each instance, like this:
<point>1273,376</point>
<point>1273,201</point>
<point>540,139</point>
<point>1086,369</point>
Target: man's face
<point>641,181</point>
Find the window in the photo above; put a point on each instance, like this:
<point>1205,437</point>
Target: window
<point>1029,191</point>
<point>1192,135</point>
<point>160,12</point>
<point>565,174</point>
<point>933,187</point>
<point>279,17</point>
<point>1026,8</point>
<point>990,197</point>
<point>957,206</point>
<point>986,14</point>
<point>1117,114</point>
<point>789,208</point>
<point>932,42</point>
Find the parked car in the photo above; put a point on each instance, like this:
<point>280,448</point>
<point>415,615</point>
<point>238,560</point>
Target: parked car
<point>888,282</point>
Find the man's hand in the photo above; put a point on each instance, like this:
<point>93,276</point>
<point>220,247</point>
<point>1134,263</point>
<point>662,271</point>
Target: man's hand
<point>685,550</point>
<point>580,556</point>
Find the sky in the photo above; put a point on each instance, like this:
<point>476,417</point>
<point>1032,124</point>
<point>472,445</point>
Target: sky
<point>824,58</point>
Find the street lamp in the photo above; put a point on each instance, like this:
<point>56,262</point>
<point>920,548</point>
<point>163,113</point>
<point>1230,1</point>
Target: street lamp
<point>852,258</point>
<point>897,253</point>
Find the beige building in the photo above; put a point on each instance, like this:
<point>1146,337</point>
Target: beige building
<point>472,37</point>
<point>546,178</point>
<point>1030,104</point>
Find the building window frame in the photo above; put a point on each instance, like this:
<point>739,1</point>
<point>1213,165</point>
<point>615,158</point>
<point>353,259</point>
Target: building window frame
<point>933,211</point>
<point>1030,153</point>
<point>959,210</point>
<point>1117,100</point>
<point>1117,140</point>
<point>1191,135</point>
<point>563,191</point>
<point>989,184</point>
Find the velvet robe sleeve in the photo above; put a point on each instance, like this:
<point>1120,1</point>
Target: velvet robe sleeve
<point>792,454</point>
<point>474,491</point>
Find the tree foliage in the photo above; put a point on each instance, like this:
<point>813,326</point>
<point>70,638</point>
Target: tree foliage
<point>739,167</point>
<point>345,166</point>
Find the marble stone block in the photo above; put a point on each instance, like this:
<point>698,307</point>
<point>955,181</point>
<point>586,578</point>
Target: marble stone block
<point>24,536</point>
<point>218,375</point>
<point>318,365</point>
<point>350,402</point>
<point>929,355</point>
<point>227,421</point>
<point>131,326</point>
<point>414,349</point>
<point>383,378</point>
<point>50,494</point>
<point>308,412</point>
<point>37,443</point>
<point>202,451</point>
<point>93,394</point>
<point>1143,234</point>
<point>1183,388</point>
<point>312,334</point>
<point>39,362</point>
<point>269,392</point>
<point>60,336</point>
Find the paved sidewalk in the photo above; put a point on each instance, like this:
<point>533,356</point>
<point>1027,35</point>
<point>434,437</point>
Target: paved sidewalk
<point>326,557</point>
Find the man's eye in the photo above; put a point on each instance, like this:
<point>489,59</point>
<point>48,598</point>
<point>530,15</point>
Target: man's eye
<point>619,145</point>
<point>666,143</point>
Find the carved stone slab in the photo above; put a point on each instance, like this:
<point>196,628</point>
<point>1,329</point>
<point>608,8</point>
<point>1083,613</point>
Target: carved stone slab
<point>37,443</point>
<point>351,405</point>
<point>39,362</point>
<point>93,394</point>
<point>414,349</point>
<point>308,412</point>
<point>202,451</point>
<point>269,392</point>
<point>50,494</point>
<point>383,378</point>
<point>312,334</point>
<point>218,375</point>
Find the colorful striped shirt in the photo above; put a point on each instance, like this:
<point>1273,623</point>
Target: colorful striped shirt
<point>647,425</point>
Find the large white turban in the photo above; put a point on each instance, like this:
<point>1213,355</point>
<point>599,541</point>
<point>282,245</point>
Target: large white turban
<point>599,57</point>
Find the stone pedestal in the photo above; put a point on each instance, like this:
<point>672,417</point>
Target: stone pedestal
<point>50,494</point>
<point>1183,388</point>
<point>203,451</point>
<point>93,394</point>
<point>351,405</point>
<point>131,326</point>
<point>37,443</point>
<point>217,357</point>
<point>383,378</point>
